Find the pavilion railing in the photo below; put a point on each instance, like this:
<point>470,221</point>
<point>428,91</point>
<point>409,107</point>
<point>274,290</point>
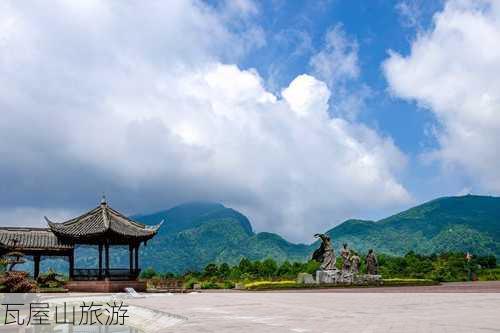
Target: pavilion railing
<point>112,273</point>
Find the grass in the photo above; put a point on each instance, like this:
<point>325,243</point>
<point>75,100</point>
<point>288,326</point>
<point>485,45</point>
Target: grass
<point>257,285</point>
<point>408,282</point>
<point>290,284</point>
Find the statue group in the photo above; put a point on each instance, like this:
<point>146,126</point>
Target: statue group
<point>351,264</point>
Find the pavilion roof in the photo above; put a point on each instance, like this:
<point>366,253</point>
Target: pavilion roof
<point>31,239</point>
<point>101,221</point>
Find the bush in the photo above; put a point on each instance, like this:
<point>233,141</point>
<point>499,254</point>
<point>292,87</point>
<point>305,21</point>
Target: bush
<point>190,282</point>
<point>487,261</point>
<point>489,274</point>
<point>148,273</point>
<point>16,282</point>
<point>229,285</point>
<point>211,285</point>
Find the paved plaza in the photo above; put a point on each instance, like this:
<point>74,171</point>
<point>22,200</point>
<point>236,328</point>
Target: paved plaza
<point>332,311</point>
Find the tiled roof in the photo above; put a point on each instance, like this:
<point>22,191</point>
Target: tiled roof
<point>100,221</point>
<point>31,239</point>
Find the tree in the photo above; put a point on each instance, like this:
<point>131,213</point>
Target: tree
<point>268,268</point>
<point>245,265</point>
<point>148,273</point>
<point>14,258</point>
<point>311,266</point>
<point>211,270</point>
<point>224,270</point>
<point>285,269</point>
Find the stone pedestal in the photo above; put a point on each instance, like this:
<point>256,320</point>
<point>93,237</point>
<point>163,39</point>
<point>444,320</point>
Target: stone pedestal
<point>367,279</point>
<point>304,278</point>
<point>328,276</point>
<point>336,276</point>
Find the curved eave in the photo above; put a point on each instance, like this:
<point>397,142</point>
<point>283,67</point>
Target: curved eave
<point>53,226</point>
<point>59,229</point>
<point>155,228</point>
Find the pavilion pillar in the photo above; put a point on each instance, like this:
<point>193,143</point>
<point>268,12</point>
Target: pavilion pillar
<point>71,258</point>
<point>136,253</point>
<point>36,270</point>
<point>106,257</point>
<point>100,260</point>
<point>131,258</point>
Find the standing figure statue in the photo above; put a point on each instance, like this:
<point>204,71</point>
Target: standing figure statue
<point>355,262</point>
<point>325,254</point>
<point>371,263</point>
<point>346,262</point>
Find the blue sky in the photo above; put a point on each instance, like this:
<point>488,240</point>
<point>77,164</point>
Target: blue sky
<point>377,26</point>
<point>300,114</point>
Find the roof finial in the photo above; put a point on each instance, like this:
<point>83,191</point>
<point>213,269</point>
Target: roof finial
<point>103,200</point>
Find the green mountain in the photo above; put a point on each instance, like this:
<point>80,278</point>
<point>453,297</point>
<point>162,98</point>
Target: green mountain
<point>199,233</point>
<point>196,234</point>
<point>465,223</point>
<point>192,215</point>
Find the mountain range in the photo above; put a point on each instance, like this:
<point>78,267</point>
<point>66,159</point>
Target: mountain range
<point>198,233</point>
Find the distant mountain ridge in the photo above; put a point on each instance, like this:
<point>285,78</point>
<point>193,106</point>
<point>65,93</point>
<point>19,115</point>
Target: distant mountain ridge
<point>466,223</point>
<point>195,234</point>
<point>191,215</point>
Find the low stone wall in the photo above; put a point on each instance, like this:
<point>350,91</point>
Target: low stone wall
<point>104,286</point>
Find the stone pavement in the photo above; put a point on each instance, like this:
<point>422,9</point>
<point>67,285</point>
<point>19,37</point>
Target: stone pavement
<point>330,312</point>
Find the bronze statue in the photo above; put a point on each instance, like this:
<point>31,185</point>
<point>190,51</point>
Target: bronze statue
<point>371,263</point>
<point>325,254</point>
<point>346,262</point>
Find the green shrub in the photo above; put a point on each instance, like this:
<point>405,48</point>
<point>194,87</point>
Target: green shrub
<point>148,273</point>
<point>190,282</point>
<point>492,274</point>
<point>211,285</point>
<point>229,285</point>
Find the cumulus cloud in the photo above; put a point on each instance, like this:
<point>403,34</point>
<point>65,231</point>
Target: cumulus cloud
<point>453,69</point>
<point>144,103</point>
<point>306,95</point>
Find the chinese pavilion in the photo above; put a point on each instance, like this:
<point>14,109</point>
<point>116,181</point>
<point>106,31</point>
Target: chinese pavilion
<point>102,227</point>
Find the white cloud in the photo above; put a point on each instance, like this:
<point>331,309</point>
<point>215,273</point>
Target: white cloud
<point>141,102</point>
<point>338,60</point>
<point>454,70</point>
<point>305,95</point>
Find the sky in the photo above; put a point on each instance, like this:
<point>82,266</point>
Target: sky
<point>300,114</point>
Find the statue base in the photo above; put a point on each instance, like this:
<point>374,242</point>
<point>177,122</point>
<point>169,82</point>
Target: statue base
<point>335,276</point>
